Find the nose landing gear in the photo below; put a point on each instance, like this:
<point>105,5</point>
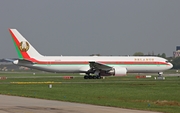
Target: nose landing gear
<point>160,77</point>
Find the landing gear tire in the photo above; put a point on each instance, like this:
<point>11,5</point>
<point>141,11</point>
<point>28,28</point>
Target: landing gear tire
<point>94,77</point>
<point>86,77</point>
<point>90,77</point>
<point>98,77</point>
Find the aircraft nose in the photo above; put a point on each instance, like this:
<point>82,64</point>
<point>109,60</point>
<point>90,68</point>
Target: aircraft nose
<point>170,65</point>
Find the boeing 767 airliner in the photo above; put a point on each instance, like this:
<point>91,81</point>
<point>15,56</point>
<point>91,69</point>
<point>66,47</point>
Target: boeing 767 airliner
<point>91,66</point>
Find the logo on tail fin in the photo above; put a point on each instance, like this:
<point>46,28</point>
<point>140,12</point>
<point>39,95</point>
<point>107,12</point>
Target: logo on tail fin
<point>24,46</point>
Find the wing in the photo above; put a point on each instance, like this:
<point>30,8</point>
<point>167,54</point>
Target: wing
<point>100,66</point>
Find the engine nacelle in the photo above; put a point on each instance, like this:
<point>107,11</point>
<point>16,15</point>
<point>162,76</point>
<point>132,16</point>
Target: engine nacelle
<point>16,62</point>
<point>118,71</point>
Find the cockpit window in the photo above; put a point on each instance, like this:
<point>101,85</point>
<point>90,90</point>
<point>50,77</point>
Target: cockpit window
<point>167,61</point>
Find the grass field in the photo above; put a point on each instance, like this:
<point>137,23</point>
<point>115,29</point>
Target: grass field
<point>123,92</point>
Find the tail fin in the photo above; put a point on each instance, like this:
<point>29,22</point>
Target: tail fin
<point>24,49</point>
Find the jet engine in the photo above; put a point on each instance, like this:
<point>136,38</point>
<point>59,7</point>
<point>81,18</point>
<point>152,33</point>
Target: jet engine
<point>15,61</point>
<point>118,71</point>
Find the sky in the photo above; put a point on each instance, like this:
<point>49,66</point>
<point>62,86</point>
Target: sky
<point>85,27</point>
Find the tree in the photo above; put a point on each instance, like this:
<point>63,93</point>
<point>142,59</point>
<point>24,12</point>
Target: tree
<point>176,63</point>
<point>163,55</point>
<point>159,55</point>
<point>138,54</point>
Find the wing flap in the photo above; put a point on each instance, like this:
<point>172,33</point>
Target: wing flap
<point>100,66</point>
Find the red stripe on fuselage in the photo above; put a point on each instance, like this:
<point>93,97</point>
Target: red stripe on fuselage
<point>32,60</point>
<point>103,62</point>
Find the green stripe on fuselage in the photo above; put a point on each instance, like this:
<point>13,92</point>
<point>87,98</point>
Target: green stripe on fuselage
<point>106,64</point>
<point>17,50</point>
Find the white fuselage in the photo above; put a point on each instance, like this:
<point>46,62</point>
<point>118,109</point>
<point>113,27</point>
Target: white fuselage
<point>80,64</point>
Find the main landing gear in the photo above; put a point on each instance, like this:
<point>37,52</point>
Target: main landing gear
<point>92,77</point>
<point>92,71</point>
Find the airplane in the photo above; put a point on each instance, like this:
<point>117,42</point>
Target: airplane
<point>93,67</point>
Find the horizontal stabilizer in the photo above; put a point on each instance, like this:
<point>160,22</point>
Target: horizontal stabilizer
<point>22,61</point>
<point>9,59</point>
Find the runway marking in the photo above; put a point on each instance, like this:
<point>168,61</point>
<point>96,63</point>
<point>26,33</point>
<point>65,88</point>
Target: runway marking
<point>86,82</point>
<point>35,82</point>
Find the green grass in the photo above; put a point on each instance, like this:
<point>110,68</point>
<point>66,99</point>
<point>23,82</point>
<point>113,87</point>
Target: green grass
<point>123,92</point>
<point>172,71</point>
